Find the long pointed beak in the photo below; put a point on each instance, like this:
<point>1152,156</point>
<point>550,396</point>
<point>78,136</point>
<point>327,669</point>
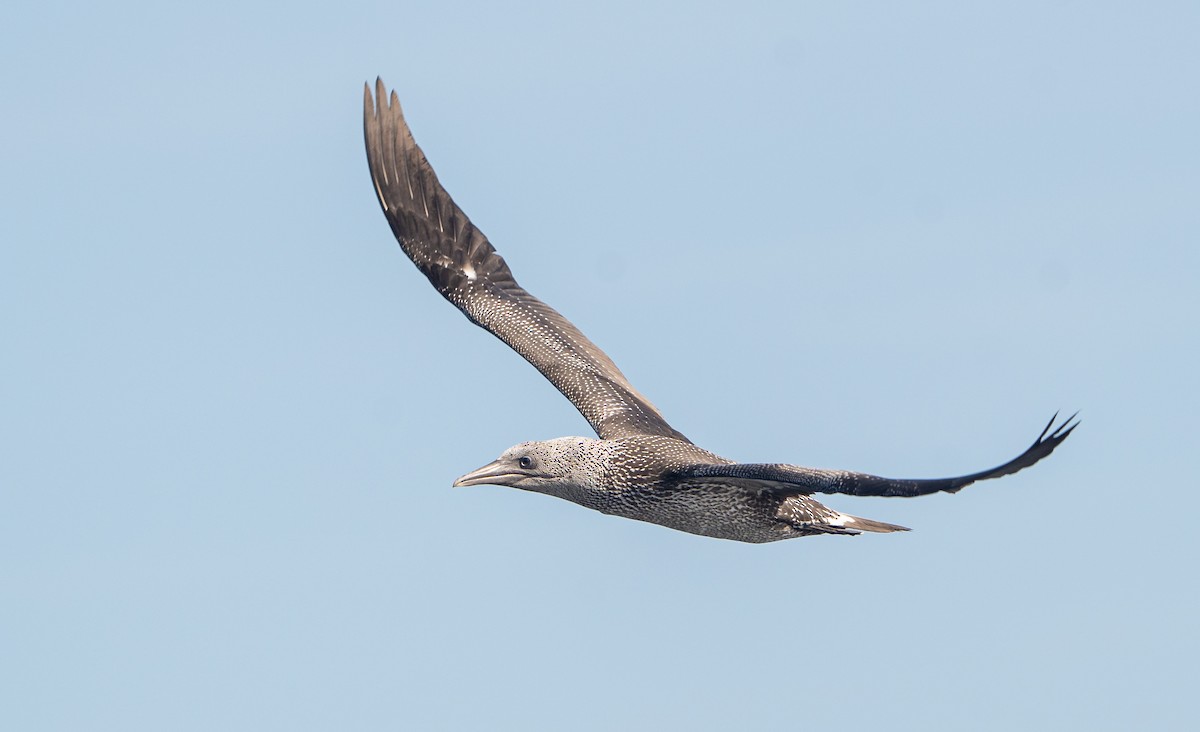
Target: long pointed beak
<point>494,473</point>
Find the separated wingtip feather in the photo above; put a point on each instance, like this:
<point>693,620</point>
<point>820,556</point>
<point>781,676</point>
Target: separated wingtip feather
<point>1064,429</point>
<point>1047,428</point>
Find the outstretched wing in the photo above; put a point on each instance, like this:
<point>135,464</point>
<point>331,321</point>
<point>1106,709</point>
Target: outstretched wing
<point>796,479</point>
<point>460,262</point>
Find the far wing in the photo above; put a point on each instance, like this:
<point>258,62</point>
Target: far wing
<point>462,265</point>
<point>796,479</point>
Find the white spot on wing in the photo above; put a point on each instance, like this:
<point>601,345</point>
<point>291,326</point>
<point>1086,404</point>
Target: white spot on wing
<point>469,271</point>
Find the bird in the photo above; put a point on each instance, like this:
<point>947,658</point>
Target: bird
<point>638,466</point>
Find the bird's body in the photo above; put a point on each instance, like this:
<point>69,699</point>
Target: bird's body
<point>641,467</point>
<point>646,477</point>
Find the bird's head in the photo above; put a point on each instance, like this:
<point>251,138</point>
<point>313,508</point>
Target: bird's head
<point>543,467</point>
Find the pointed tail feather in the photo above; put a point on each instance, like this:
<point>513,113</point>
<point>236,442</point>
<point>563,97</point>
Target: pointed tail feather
<point>862,524</point>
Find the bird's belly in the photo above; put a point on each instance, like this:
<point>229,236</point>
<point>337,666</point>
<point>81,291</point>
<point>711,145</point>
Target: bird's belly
<point>703,509</point>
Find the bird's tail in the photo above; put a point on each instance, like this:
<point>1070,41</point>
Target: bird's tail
<point>862,524</point>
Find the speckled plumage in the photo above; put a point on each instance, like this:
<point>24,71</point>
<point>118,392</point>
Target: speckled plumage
<point>640,468</point>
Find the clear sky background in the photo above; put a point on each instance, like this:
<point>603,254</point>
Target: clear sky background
<point>893,237</point>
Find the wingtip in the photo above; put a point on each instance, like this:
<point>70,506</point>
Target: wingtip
<point>1046,428</point>
<point>380,93</point>
<point>382,101</point>
<point>1066,427</point>
<point>1059,433</point>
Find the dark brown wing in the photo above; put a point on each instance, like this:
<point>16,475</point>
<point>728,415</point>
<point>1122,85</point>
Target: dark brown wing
<point>463,266</point>
<point>796,479</point>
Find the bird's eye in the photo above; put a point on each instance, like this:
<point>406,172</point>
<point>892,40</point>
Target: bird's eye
<point>525,462</point>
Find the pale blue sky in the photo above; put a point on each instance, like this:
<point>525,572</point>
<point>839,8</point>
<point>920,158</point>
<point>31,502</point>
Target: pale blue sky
<point>892,237</point>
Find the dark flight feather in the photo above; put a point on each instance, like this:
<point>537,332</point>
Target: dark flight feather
<point>800,480</point>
